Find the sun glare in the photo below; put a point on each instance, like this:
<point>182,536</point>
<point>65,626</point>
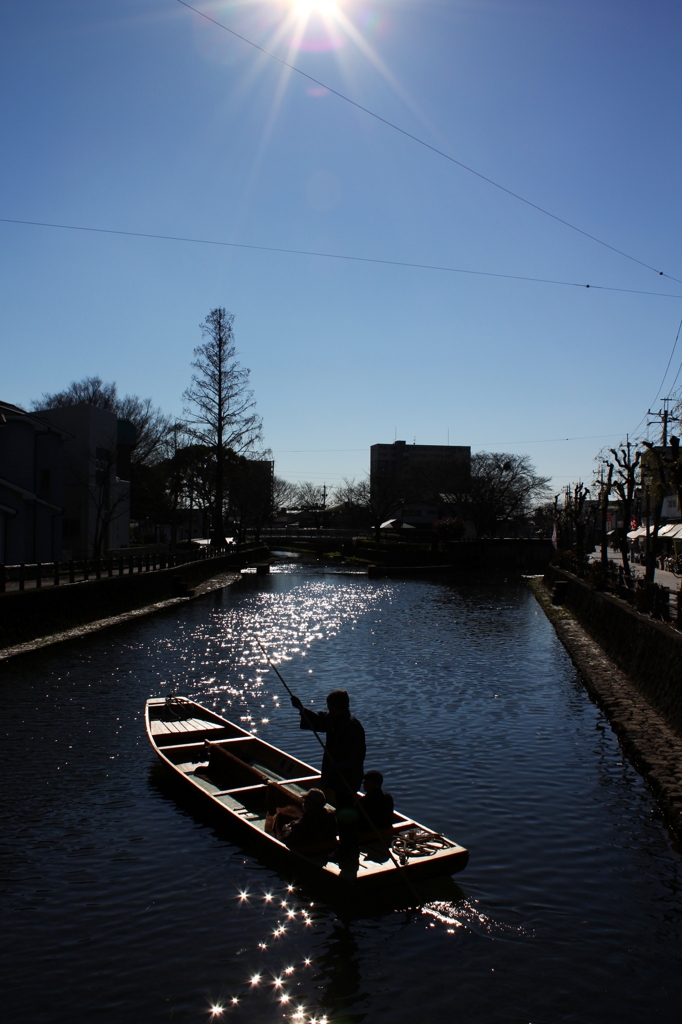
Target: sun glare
<point>307,7</point>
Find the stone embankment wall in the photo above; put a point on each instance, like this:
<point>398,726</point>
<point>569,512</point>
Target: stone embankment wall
<point>35,613</point>
<point>644,734</point>
<point>525,554</point>
<point>649,653</point>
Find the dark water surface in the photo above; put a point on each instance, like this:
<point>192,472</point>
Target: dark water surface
<point>118,904</point>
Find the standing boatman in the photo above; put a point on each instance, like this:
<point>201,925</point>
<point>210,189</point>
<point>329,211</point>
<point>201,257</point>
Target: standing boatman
<point>344,756</point>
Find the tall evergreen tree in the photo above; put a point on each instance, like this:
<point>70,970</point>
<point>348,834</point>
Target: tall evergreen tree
<point>221,408</point>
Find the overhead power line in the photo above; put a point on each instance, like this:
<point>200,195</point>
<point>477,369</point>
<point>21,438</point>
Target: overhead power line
<point>427,145</point>
<point>334,256</point>
<point>672,386</point>
<point>474,444</point>
<point>660,386</point>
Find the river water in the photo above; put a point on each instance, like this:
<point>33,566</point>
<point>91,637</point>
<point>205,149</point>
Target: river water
<point>118,903</point>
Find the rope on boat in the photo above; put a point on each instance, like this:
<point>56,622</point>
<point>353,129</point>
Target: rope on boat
<point>417,842</point>
<point>173,700</point>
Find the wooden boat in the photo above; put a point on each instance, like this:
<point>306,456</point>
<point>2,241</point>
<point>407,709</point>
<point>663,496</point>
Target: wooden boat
<point>246,780</point>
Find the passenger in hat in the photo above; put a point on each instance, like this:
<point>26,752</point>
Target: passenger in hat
<point>376,805</point>
<point>315,827</point>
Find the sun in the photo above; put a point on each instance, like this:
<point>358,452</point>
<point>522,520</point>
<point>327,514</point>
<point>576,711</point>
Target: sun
<point>307,7</point>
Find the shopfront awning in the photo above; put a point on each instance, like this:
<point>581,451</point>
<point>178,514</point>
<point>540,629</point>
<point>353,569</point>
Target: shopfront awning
<point>673,531</point>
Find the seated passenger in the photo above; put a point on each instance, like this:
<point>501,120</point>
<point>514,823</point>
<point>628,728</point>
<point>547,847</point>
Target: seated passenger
<point>376,805</point>
<point>315,827</point>
<point>277,820</point>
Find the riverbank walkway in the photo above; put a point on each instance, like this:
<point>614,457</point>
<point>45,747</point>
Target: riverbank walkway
<point>663,577</point>
<point>43,575</point>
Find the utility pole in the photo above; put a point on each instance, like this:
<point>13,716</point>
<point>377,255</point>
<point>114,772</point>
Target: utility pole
<point>665,416</point>
<point>174,515</point>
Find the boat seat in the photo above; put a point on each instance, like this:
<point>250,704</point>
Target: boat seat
<point>267,772</point>
<point>281,796</point>
<point>159,727</point>
<point>222,764</point>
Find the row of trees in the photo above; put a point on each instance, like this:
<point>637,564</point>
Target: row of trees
<point>630,483</point>
<point>502,494</point>
<point>211,466</point>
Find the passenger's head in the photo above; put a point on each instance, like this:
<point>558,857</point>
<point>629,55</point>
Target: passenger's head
<point>372,780</point>
<point>338,702</point>
<point>314,800</point>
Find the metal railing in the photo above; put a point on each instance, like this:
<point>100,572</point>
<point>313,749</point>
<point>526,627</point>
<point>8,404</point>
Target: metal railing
<point>312,533</point>
<point>651,599</point>
<point>36,575</point>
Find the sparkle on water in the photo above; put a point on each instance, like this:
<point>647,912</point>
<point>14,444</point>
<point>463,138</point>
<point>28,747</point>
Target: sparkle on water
<point>115,897</point>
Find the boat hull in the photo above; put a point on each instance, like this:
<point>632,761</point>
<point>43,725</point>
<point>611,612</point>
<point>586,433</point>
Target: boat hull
<point>239,779</point>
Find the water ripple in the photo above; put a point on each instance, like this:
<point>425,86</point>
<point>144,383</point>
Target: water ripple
<point>120,903</point>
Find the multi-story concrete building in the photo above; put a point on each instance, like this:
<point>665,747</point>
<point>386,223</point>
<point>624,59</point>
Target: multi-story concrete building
<point>417,478</point>
<point>31,487</point>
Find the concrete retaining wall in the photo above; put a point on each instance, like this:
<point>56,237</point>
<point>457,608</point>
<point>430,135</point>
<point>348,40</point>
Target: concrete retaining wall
<point>34,613</point>
<point>649,653</point>
<point>525,554</point>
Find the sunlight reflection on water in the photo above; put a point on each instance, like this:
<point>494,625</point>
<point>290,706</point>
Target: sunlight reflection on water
<point>119,902</point>
<point>229,670</point>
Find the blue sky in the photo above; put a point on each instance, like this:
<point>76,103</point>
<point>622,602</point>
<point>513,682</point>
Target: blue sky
<point>142,116</point>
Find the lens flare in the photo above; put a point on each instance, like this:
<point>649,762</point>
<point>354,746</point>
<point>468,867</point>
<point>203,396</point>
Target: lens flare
<point>305,8</point>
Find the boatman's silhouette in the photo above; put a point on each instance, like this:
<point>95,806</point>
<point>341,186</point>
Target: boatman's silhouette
<point>344,758</point>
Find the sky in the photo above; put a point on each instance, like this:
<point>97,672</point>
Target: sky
<point>142,116</point>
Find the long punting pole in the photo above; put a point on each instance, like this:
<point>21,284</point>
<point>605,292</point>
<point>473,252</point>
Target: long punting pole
<point>403,874</point>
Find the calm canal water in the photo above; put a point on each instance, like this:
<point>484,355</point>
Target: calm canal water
<point>118,904</point>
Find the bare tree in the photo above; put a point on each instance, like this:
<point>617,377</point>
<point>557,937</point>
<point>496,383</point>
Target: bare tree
<point>89,391</point>
<point>250,494</point>
<point>221,407</point>
<point>658,474</point>
<point>605,484</point>
<point>374,504</point>
<point>153,429</point>
<point>283,493</point>
<point>574,518</point>
<point>624,483</point>
<point>503,489</point>
<point>108,496</point>
<point>152,426</point>
<point>312,498</point>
